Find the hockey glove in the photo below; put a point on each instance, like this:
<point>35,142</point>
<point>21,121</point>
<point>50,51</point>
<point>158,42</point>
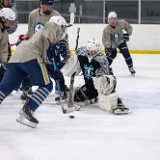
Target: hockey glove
<point>63,45</point>
<point>64,49</point>
<point>53,50</point>
<point>61,64</point>
<point>108,51</point>
<point>126,37</point>
<point>55,74</point>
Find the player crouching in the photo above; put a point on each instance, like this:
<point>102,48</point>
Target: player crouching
<point>98,81</point>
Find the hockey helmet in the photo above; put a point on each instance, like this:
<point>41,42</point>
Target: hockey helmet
<point>59,20</point>
<point>94,45</point>
<point>112,15</point>
<point>47,2</point>
<point>7,14</point>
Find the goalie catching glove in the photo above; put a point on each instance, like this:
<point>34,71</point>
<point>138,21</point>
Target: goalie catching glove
<point>105,84</point>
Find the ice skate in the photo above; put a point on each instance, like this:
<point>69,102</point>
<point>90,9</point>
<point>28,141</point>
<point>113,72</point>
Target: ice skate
<point>27,117</point>
<point>131,69</point>
<point>23,96</point>
<point>121,109</point>
<point>64,97</point>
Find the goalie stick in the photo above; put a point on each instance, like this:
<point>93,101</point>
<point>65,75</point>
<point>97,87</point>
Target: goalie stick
<point>70,99</point>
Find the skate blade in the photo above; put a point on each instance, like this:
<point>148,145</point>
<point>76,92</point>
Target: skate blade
<point>122,113</point>
<point>77,107</point>
<point>25,122</point>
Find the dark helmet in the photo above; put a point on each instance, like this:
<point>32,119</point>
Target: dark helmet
<point>47,2</point>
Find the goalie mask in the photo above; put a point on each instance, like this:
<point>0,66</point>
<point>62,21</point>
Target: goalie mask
<point>93,48</point>
<point>112,18</point>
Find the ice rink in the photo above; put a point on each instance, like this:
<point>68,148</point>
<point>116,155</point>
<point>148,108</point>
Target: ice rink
<point>93,134</point>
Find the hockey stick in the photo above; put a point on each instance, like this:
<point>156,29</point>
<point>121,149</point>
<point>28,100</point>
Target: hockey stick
<point>13,44</point>
<point>70,99</point>
<point>19,40</point>
<point>60,96</point>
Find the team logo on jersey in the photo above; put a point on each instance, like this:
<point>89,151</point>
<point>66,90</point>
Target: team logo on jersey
<point>89,71</point>
<point>38,26</point>
<point>116,37</point>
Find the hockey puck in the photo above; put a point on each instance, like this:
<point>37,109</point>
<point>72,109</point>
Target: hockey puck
<point>71,117</point>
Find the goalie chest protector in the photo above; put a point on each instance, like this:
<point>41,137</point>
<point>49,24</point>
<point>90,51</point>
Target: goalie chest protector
<point>88,69</point>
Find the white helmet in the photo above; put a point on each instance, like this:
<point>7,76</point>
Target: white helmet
<point>112,15</point>
<point>7,14</point>
<point>94,45</point>
<point>59,20</point>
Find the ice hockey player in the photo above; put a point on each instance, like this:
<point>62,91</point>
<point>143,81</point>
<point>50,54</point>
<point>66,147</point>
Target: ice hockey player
<point>37,18</point>
<point>28,60</point>
<point>9,4</point>
<point>11,29</point>
<point>113,37</point>
<point>61,50</point>
<point>7,16</point>
<point>98,81</point>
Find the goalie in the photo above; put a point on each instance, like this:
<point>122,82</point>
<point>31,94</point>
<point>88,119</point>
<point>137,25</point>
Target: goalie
<point>98,81</point>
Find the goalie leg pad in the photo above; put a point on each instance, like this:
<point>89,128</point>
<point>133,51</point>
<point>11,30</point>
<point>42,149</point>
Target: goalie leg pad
<point>105,84</point>
<point>112,104</point>
<point>108,102</point>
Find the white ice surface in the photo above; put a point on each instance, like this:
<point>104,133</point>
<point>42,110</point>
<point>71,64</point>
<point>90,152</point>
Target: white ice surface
<point>93,134</point>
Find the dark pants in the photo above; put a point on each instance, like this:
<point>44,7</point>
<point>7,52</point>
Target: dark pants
<point>125,52</point>
<point>37,72</point>
<point>85,93</point>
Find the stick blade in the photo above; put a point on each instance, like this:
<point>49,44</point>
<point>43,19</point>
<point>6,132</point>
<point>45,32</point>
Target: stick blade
<point>72,109</point>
